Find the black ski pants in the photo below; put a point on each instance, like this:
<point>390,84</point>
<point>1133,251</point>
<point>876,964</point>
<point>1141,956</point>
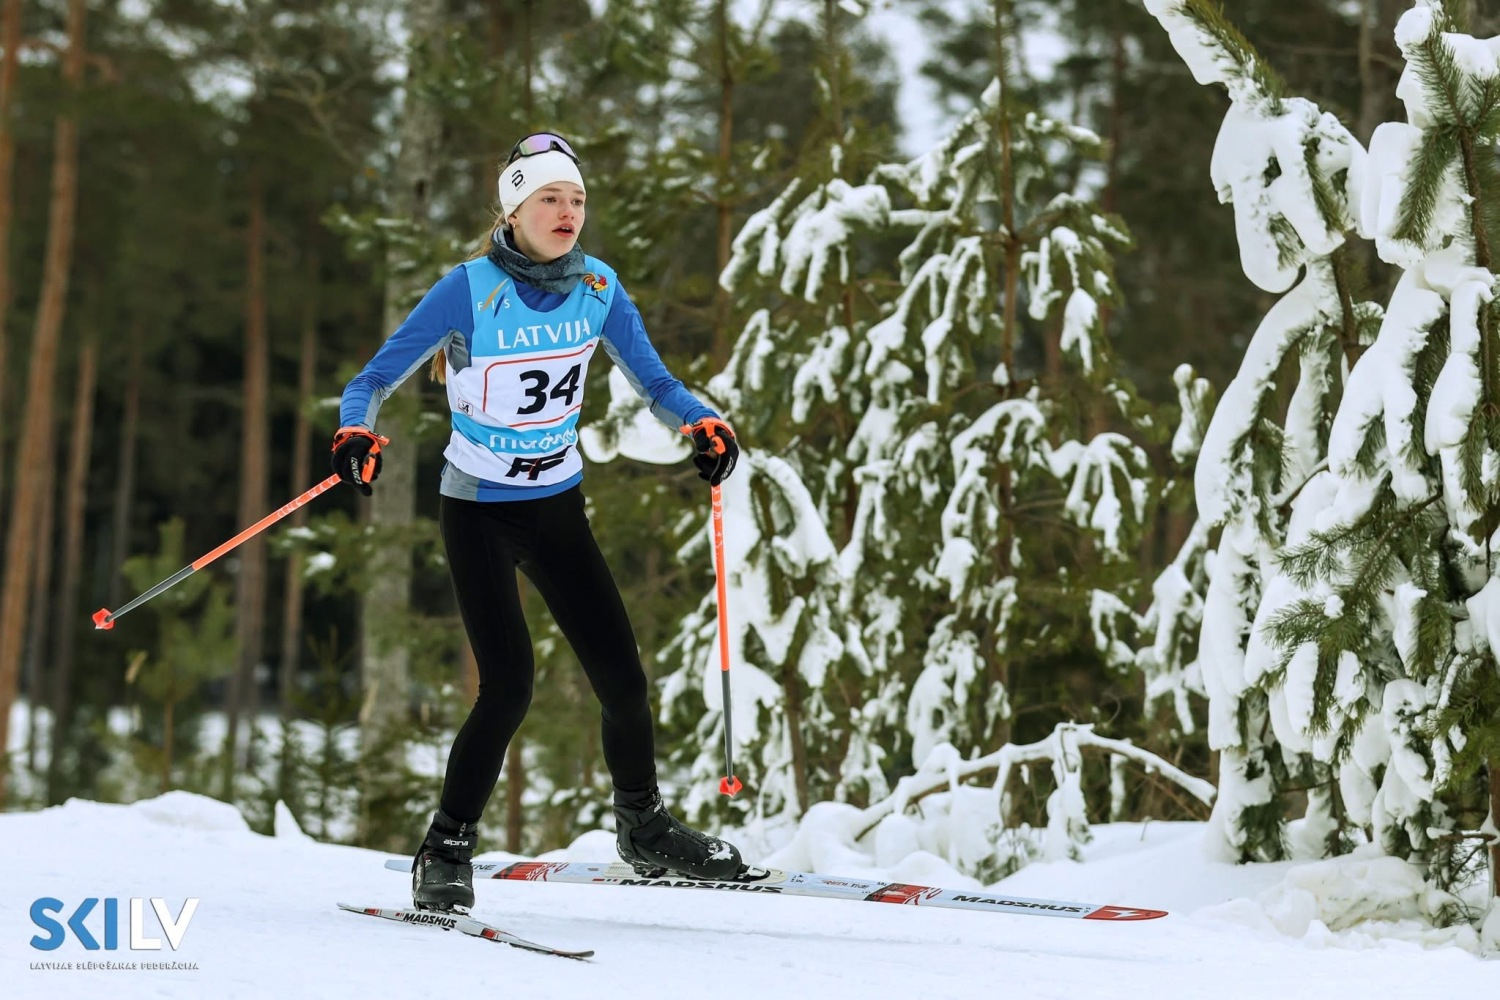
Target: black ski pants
<point>549,540</point>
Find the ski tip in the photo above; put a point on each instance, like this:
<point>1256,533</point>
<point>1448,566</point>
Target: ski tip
<point>504,937</point>
<point>399,864</point>
<point>1125,913</point>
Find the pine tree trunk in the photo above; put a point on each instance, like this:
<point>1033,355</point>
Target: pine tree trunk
<point>250,583</point>
<point>1494,822</point>
<point>725,208</point>
<point>168,724</point>
<point>10,47</point>
<point>833,69</point>
<point>468,671</point>
<point>33,461</point>
<point>528,62</point>
<point>124,499</point>
<point>307,364</point>
<point>1010,282</point>
<point>499,30</point>
<point>385,659</point>
<point>1052,370</point>
<point>515,785</point>
<point>591,753</point>
<point>1380,64</point>
<point>292,589</point>
<point>41,609</point>
<point>515,767</point>
<point>650,613</point>
<point>792,684</point>
<point>1010,277</point>
<point>1109,198</point>
<point>124,494</point>
<point>75,504</point>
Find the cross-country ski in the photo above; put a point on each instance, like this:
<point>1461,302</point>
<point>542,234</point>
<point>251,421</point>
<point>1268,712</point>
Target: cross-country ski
<point>773,882</point>
<point>464,924</point>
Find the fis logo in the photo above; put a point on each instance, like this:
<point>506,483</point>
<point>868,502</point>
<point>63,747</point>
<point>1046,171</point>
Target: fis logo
<point>56,931</point>
<point>503,301</point>
<point>531,468</point>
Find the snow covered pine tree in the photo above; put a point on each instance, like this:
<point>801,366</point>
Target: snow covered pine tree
<point>1372,647</point>
<point>1291,173</point>
<point>885,589</point>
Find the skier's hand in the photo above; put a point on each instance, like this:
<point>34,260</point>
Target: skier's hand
<point>356,456</point>
<point>717,450</point>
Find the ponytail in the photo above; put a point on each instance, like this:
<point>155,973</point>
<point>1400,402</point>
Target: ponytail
<point>437,369</point>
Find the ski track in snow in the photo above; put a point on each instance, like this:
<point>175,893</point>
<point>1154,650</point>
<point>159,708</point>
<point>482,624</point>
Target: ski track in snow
<point>267,925</point>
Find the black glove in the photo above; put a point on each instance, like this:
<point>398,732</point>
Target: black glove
<point>356,456</point>
<point>717,450</point>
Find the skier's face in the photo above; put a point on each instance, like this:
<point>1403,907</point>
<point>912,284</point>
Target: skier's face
<point>547,223</point>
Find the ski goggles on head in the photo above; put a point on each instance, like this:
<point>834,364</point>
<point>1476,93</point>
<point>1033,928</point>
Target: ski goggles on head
<point>541,142</point>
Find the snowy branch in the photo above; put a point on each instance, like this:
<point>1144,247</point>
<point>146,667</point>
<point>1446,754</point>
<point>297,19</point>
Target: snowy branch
<point>943,769</point>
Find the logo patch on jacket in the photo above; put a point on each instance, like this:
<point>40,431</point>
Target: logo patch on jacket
<point>596,284</point>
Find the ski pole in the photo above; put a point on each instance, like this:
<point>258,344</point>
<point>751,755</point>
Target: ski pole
<point>729,784</point>
<point>105,618</point>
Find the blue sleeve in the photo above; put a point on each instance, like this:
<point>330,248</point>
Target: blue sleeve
<point>443,312</point>
<point>626,342</point>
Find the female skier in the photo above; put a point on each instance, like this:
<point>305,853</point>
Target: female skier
<point>511,332</point>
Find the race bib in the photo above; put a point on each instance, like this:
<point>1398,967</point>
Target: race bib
<point>535,391</point>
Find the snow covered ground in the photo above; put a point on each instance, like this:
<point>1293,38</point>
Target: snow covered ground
<point>266,925</point>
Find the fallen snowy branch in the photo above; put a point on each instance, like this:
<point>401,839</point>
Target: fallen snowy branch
<point>944,769</point>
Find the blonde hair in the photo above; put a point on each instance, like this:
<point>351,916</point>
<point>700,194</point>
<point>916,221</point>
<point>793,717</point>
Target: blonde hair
<point>437,369</point>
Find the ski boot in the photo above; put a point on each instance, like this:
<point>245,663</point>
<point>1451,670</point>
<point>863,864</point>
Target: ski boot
<point>442,873</point>
<point>654,842</point>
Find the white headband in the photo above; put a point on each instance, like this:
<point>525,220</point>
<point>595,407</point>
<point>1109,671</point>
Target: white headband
<point>520,179</point>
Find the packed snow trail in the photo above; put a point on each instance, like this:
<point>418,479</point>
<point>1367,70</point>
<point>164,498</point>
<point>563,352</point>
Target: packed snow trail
<point>267,924</point>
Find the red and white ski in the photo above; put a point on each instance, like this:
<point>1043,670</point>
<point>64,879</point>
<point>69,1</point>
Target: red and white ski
<point>771,881</point>
<point>462,923</point>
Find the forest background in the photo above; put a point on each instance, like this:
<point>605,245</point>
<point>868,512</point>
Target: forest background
<point>212,213</point>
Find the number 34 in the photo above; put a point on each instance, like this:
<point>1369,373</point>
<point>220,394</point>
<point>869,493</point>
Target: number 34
<point>565,389</point>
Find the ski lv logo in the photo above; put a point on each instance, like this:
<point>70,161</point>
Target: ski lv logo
<point>56,930</point>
